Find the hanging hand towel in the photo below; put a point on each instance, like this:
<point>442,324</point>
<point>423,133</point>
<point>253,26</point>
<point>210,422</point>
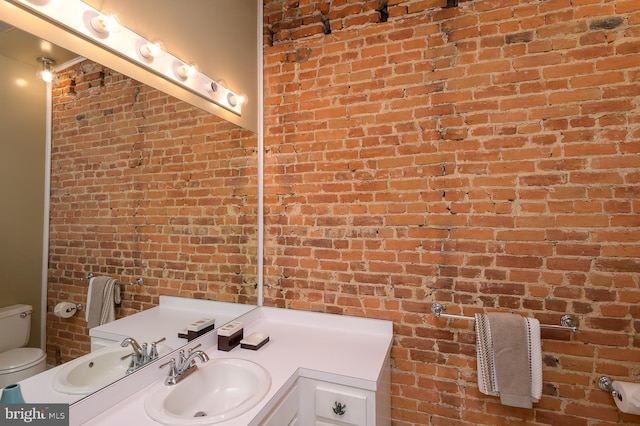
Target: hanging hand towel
<point>535,358</point>
<point>509,358</point>
<point>103,295</point>
<point>484,356</point>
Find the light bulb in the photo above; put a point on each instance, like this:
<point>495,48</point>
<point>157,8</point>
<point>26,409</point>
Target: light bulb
<point>185,71</point>
<point>232,99</point>
<point>150,50</point>
<point>215,86</point>
<point>47,76</point>
<point>104,24</point>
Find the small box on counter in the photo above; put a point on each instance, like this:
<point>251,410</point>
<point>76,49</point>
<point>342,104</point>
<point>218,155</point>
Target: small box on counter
<point>197,329</point>
<point>200,327</point>
<point>230,335</point>
<point>254,341</point>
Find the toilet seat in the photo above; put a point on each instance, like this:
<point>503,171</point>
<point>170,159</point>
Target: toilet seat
<point>20,359</point>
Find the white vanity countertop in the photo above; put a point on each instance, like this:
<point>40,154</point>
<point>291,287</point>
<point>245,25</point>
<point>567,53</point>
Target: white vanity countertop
<point>167,319</point>
<point>339,349</point>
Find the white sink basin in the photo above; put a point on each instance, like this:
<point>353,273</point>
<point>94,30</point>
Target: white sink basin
<point>220,390</point>
<point>94,371</point>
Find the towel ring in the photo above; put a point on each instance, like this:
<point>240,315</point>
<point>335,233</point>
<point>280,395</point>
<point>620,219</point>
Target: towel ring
<point>567,322</point>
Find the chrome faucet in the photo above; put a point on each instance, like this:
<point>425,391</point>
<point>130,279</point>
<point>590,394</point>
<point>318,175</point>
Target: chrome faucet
<point>140,355</point>
<point>136,357</point>
<point>134,345</point>
<point>190,360</point>
<point>184,367</point>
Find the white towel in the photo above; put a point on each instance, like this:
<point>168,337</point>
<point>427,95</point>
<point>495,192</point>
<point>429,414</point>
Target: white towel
<point>486,362</point>
<point>487,382</point>
<point>535,358</point>
<point>102,296</point>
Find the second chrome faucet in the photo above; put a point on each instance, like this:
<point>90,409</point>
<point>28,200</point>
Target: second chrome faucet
<point>140,355</point>
<point>185,365</point>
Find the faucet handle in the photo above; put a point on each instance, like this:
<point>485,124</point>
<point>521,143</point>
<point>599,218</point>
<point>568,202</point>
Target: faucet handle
<point>144,354</point>
<point>189,353</point>
<point>173,372</point>
<point>132,365</point>
<point>181,357</point>
<point>194,347</point>
<point>153,354</point>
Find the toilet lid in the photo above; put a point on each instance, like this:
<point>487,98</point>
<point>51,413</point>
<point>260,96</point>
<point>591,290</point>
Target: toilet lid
<point>19,359</point>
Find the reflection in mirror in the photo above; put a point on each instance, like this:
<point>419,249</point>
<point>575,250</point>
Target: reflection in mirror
<point>220,38</point>
<point>142,185</point>
<point>22,170</point>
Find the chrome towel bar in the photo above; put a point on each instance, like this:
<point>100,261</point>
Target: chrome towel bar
<point>567,322</point>
<point>139,281</point>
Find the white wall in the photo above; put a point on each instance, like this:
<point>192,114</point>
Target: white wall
<point>22,162</point>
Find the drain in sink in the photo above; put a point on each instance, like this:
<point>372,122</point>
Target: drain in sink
<point>200,414</point>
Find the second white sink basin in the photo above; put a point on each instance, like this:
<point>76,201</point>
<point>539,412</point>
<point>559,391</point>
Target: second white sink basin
<point>220,390</point>
<point>95,370</point>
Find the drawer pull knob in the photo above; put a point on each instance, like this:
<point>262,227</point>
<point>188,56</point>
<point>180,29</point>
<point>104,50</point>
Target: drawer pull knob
<point>339,408</point>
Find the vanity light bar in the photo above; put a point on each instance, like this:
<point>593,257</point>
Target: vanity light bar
<point>104,30</point>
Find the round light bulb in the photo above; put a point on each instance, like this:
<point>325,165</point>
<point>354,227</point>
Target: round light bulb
<point>46,73</point>
<point>47,76</point>
<point>150,50</point>
<point>232,99</point>
<point>104,24</point>
<point>213,87</point>
<point>185,71</point>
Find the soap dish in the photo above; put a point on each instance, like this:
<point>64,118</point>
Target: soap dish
<point>254,341</point>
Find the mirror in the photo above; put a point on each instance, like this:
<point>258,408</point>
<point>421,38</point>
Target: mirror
<point>152,188</point>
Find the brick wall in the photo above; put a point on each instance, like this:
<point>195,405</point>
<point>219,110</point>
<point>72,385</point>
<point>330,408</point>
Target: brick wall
<point>485,157</point>
<point>144,185</point>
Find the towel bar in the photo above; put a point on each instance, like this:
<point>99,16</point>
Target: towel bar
<point>567,322</point>
<point>139,281</point>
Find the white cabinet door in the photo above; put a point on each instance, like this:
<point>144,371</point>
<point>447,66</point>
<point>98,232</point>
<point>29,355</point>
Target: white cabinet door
<point>285,413</point>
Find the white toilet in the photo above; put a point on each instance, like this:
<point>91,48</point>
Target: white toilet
<point>17,362</point>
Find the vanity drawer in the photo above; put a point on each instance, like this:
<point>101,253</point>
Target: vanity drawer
<point>340,404</point>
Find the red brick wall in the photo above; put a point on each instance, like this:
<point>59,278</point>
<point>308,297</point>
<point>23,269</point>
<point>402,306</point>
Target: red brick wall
<point>144,185</point>
<point>485,157</point>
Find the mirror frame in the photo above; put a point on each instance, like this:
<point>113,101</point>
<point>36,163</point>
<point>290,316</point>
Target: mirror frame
<point>47,30</point>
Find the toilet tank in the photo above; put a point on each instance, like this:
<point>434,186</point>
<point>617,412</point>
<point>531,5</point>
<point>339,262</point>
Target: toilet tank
<point>14,326</point>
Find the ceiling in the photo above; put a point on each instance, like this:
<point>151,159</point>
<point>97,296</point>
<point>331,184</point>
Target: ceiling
<point>26,48</point>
